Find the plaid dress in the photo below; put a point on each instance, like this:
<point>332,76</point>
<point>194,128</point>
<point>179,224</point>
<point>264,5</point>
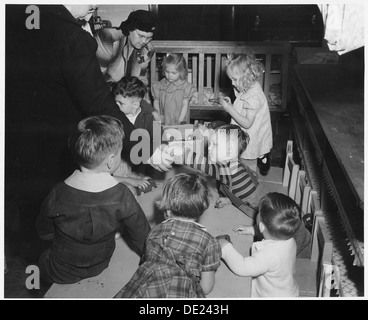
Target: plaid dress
<point>176,253</point>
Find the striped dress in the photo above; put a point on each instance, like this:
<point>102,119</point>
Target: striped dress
<point>233,174</point>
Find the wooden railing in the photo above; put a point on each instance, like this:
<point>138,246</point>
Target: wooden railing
<point>206,66</point>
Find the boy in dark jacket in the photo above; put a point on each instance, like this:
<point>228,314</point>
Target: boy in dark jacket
<point>82,214</point>
<point>129,95</point>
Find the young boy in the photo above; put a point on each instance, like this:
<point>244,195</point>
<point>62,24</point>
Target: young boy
<point>82,214</point>
<point>272,263</point>
<point>129,95</point>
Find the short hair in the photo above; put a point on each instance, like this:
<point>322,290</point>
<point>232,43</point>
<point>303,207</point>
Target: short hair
<point>176,59</point>
<point>280,214</point>
<point>186,195</point>
<point>94,138</point>
<point>233,131</point>
<point>247,66</point>
<point>130,86</point>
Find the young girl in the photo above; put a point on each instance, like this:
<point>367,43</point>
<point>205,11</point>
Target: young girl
<point>180,257</point>
<point>82,214</point>
<point>172,94</point>
<point>250,109</point>
<point>272,263</point>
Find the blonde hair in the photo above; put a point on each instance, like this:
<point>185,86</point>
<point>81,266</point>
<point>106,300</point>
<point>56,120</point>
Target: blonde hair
<point>247,66</point>
<point>178,61</point>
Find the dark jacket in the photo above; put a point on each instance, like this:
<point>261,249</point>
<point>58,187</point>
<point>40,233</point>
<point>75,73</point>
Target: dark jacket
<point>82,226</point>
<point>145,118</point>
<point>53,81</point>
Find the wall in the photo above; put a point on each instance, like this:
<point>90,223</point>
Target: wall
<point>118,13</point>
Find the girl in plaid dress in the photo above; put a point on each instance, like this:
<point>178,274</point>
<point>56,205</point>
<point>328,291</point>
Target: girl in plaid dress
<point>180,257</point>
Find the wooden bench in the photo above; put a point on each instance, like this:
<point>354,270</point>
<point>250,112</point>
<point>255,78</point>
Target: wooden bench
<point>206,65</point>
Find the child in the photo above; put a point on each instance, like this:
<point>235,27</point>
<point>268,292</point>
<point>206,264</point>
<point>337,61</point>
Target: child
<point>250,109</point>
<point>82,214</point>
<point>172,94</point>
<point>226,144</point>
<point>302,236</point>
<point>272,263</point>
<point>129,93</point>
<point>180,257</point>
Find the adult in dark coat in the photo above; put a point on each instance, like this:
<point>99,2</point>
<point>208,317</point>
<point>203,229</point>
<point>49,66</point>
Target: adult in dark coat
<point>53,80</point>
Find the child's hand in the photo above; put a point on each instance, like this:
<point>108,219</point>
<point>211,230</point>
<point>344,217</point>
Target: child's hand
<point>142,183</point>
<point>226,103</point>
<point>241,229</point>
<point>222,202</point>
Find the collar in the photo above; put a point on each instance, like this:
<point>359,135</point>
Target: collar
<point>188,221</point>
<point>167,83</point>
<point>133,117</point>
<point>91,182</point>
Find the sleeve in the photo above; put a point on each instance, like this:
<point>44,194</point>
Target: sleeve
<point>85,82</point>
<point>105,47</point>
<point>212,256</point>
<point>189,91</point>
<point>44,221</point>
<point>251,266</point>
<point>155,90</point>
<point>133,221</point>
<point>251,100</point>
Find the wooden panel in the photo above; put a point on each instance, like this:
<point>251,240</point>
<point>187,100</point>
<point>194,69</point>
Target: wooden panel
<point>195,70</point>
<point>217,74</point>
<point>209,72</point>
<point>200,78</point>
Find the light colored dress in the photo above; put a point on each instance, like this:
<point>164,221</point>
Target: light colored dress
<point>170,96</point>
<point>260,133</point>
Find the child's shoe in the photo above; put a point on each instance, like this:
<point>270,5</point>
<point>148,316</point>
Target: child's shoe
<point>264,164</point>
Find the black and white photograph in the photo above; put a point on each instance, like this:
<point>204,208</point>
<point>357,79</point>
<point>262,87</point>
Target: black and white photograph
<point>198,152</point>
